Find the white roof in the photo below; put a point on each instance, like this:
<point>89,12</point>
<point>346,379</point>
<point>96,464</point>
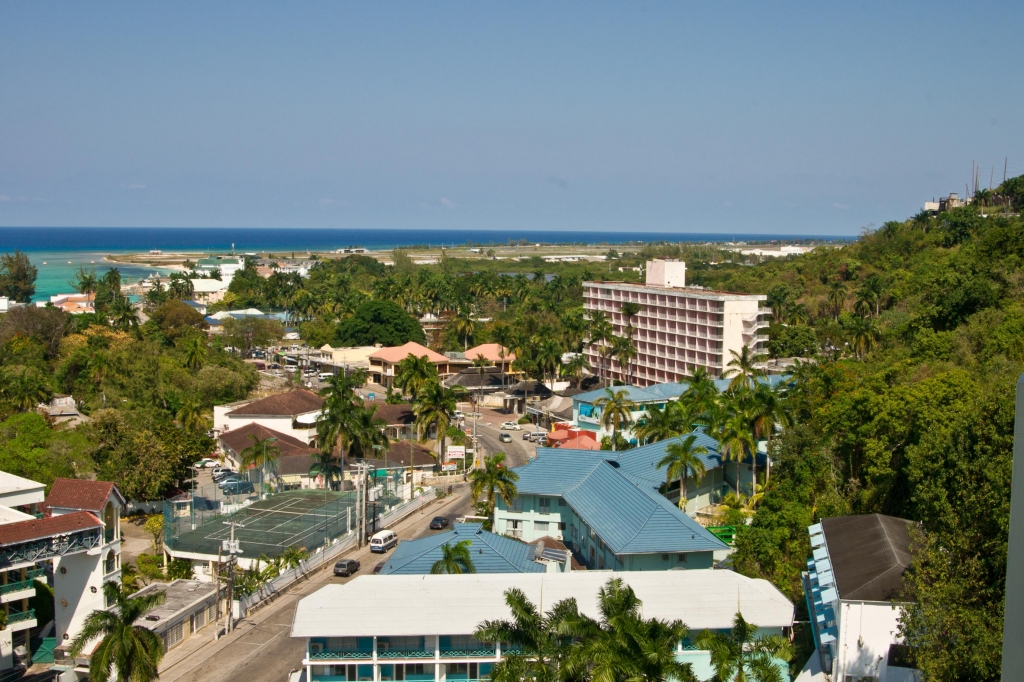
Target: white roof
<point>409,605</point>
<point>209,286</point>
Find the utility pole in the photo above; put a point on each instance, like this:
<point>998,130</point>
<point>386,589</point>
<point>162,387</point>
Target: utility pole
<point>231,546</point>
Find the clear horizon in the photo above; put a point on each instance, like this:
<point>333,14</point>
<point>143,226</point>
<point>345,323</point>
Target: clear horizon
<point>784,118</point>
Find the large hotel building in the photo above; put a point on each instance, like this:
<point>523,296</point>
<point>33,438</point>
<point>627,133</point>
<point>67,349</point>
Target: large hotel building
<point>678,328</point>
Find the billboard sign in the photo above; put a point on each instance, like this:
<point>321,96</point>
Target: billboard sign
<point>449,466</point>
<point>457,452</point>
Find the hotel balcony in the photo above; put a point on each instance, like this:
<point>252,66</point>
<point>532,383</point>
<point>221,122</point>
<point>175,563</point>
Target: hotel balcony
<point>21,620</point>
<point>22,589</point>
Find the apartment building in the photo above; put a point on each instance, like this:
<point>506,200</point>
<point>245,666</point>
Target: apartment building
<point>677,328</point>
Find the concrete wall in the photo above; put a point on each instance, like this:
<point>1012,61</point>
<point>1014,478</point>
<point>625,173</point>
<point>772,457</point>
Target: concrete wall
<point>866,629</point>
<point>666,273</point>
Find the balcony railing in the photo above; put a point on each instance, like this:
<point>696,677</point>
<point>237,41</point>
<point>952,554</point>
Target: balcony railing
<point>17,587</point>
<point>405,653</point>
<point>335,654</point>
<point>21,616</point>
<point>468,653</point>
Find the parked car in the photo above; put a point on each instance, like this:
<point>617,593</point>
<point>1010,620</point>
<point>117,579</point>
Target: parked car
<point>538,436</point>
<point>380,567</point>
<point>504,438</point>
<point>346,567</point>
<point>221,472</point>
<point>238,488</point>
<point>439,523</point>
<point>511,426</point>
<point>205,463</point>
<point>228,481</point>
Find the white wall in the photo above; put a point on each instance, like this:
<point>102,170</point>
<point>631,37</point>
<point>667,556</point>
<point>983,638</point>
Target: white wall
<point>866,629</point>
<point>666,273</point>
<point>224,423</point>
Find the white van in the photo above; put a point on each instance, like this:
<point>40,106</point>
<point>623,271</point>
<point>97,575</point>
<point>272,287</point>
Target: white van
<point>383,541</point>
<point>324,376</point>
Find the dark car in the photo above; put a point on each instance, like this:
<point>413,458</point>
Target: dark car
<point>238,488</point>
<point>346,567</point>
<point>379,567</point>
<point>438,522</point>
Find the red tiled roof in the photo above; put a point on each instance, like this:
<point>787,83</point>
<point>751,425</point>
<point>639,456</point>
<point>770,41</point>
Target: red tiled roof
<point>491,352</point>
<point>396,354</point>
<point>239,439</point>
<point>72,493</point>
<point>292,403</point>
<point>38,529</point>
<point>393,414</point>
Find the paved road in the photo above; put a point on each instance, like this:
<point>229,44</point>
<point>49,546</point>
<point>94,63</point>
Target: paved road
<point>260,649</point>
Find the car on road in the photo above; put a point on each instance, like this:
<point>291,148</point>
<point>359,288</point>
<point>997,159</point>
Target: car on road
<point>504,438</point>
<point>379,567</point>
<point>234,487</point>
<point>439,523</point>
<point>346,567</point>
<point>511,426</point>
<point>205,463</point>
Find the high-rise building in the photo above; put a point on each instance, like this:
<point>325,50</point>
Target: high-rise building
<point>676,329</point>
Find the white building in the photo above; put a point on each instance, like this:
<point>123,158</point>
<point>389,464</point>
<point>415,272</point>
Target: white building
<point>420,627</point>
<point>293,413</point>
<point>854,575</point>
<point>678,328</point>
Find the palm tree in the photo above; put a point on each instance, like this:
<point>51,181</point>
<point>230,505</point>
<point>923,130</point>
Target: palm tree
<point>863,336</point>
<point>624,351</point>
<point>532,647</point>
<point>413,373</point>
<point>85,281</point>
<point>549,357</point>
<point>837,297</point>
<point>180,287</point>
<point>434,406</point>
<point>504,336</point>
<point>480,363</point>
<point>874,287</point>
<point>681,458</point>
<point>616,411</point>
<point>769,411</point>
<point>455,559</point>
<point>741,655</point>
<point>333,426</point>
<point>599,332</point>
<point>190,414</point>
<point>293,556</point>
<point>326,467</point>
<point>736,441</point>
<point>262,454</point>
<point>492,481</point>
<point>24,389</point>
<point>623,645</point>
<point>367,432</point>
<point>463,326</point>
<point>575,368</point>
<point>123,313</point>
<point>661,423</point>
<point>127,652</point>
<point>743,368</point>
<point>195,352</point>
<point>629,311</point>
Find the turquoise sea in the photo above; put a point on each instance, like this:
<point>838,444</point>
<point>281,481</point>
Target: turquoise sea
<point>59,251</point>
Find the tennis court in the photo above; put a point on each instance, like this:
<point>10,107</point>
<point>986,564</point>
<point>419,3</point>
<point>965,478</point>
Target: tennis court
<point>299,518</point>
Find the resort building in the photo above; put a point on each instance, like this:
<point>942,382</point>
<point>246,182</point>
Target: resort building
<point>608,509</point>
<point>293,414</point>
<point>490,553</point>
<point>420,627</point>
<point>225,266</point>
<point>851,583</point>
<point>677,328</point>
<point>383,362</point>
<point>75,304</point>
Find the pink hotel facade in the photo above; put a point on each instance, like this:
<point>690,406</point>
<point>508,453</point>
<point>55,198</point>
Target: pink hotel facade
<point>678,329</point>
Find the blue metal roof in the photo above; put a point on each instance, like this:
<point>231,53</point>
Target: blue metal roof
<point>491,553</point>
<point>617,495</point>
<point>637,395</point>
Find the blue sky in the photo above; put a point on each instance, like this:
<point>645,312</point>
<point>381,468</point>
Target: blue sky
<point>815,118</point>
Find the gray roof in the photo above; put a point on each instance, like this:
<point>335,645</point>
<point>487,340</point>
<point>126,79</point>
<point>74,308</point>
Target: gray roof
<point>869,554</point>
<point>491,553</point>
<point>617,495</point>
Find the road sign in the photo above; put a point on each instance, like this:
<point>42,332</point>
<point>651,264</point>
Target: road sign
<point>456,452</point>
<point>449,466</point>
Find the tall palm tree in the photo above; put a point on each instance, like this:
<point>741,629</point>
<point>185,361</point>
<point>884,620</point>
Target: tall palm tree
<point>625,351</point>
<point>480,364</point>
<point>262,454</point>
<point>549,357</point>
<point>325,467</point>
<point>24,389</point>
<point>504,336</point>
<point>123,314</point>
<point>413,373</point>
<point>367,432</point>
<point>623,645</point>
<point>575,368</point>
<point>293,556</point>
<point>616,411</point>
<point>681,458</point>
<point>736,441</point>
<point>629,311</point>
<point>863,336</point>
<point>599,333</point>
<point>661,423</point>
<point>492,481</point>
<point>180,286</point>
<point>333,426</point>
<point>742,368</point>
<point>741,655</point>
<point>190,414</point>
<point>837,297</point>
<point>85,281</point>
<point>463,325</point>
<point>455,559</point>
<point>769,410</point>
<point>127,652</point>
<point>195,352</point>
<point>434,406</point>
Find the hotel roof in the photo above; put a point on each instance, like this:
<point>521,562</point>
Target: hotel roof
<point>490,553</point>
<point>396,354</point>
<point>691,292</point>
<point>74,493</point>
<point>290,404</point>
<point>869,554</point>
<point>456,604</point>
<point>491,352</point>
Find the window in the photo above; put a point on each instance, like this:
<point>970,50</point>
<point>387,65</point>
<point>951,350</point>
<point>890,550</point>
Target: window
<point>561,525</point>
<point>541,525</point>
<point>544,504</point>
<point>682,558</point>
<point>110,564</point>
<point>174,635</point>
<point>109,523</point>
<point>561,502</point>
<point>342,644</point>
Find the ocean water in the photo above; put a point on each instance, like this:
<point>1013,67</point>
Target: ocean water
<point>58,252</point>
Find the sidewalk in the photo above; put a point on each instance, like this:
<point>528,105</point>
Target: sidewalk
<point>202,658</point>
